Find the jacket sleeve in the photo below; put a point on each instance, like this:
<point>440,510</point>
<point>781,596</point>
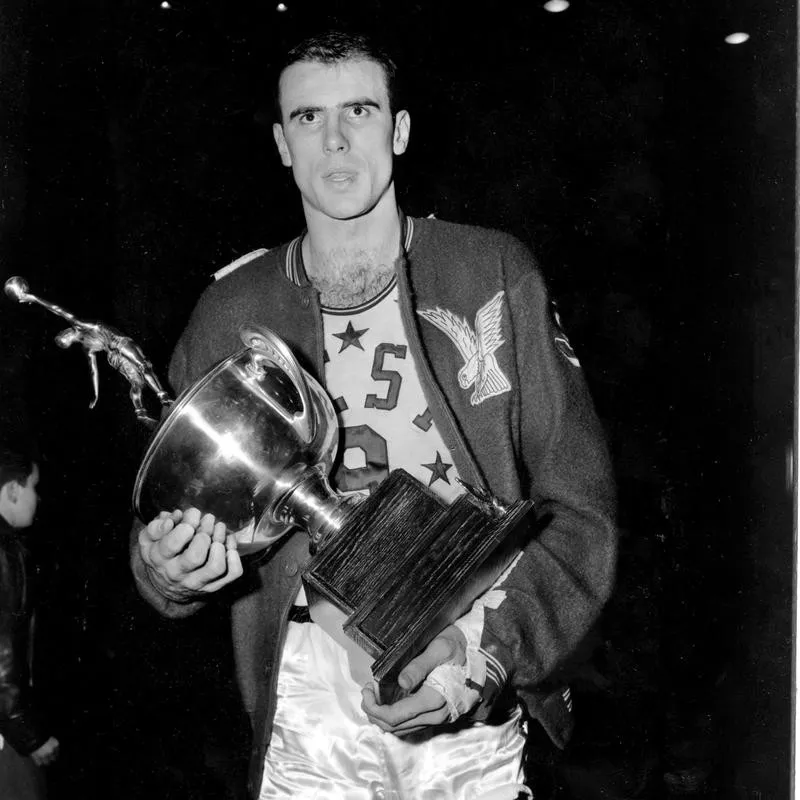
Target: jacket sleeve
<point>20,721</point>
<point>211,334</point>
<point>541,609</point>
<point>166,606</point>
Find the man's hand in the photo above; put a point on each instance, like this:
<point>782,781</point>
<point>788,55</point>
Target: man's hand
<point>46,754</point>
<point>188,554</point>
<point>426,706</point>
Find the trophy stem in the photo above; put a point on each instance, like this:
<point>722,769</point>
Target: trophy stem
<point>314,506</point>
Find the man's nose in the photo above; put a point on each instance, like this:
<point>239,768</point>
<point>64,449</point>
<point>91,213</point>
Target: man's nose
<point>335,138</point>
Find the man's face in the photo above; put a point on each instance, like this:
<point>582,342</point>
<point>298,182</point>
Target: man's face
<point>338,136</point>
<point>27,499</point>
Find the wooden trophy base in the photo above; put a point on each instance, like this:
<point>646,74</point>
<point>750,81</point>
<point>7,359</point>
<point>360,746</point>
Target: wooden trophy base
<point>405,565</point>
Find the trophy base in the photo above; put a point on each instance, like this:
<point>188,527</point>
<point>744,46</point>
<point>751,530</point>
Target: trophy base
<point>406,566</point>
<point>332,620</point>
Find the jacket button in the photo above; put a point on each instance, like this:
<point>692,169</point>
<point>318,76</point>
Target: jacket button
<point>290,568</point>
<point>305,301</point>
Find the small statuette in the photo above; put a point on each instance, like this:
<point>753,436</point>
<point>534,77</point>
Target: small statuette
<point>122,353</point>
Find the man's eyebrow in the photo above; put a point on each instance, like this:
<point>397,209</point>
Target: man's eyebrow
<point>300,110</point>
<point>360,101</point>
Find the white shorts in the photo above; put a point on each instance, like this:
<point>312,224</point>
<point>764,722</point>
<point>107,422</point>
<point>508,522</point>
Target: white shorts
<point>324,747</point>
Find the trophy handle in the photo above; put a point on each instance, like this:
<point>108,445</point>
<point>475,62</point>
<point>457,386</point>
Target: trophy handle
<point>265,344</point>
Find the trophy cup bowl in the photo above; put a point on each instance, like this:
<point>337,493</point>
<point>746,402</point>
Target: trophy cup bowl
<point>251,442</point>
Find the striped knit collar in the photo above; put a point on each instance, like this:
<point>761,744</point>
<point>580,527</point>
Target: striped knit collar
<point>295,268</point>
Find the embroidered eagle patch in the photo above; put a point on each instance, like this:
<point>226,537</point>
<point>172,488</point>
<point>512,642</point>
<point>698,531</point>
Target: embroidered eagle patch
<point>477,347</point>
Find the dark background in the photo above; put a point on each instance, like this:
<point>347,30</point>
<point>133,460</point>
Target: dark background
<point>649,164</point>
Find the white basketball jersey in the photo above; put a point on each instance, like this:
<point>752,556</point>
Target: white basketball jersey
<point>384,420</point>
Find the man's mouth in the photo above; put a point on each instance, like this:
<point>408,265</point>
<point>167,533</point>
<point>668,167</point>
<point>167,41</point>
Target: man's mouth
<point>339,176</point>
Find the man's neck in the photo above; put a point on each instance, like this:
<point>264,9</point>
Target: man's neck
<point>5,523</point>
<point>351,261</point>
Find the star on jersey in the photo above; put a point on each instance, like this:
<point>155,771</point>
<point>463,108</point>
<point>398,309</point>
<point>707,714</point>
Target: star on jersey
<point>438,470</point>
<point>477,347</point>
<point>351,337</point>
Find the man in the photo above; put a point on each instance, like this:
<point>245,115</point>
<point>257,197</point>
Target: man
<point>438,345</point>
<point>25,743</point>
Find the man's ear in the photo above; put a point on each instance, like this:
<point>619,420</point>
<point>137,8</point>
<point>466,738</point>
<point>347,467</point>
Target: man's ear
<point>283,148</point>
<point>402,130</point>
<point>9,492</point>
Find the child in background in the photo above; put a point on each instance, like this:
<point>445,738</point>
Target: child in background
<point>25,742</point>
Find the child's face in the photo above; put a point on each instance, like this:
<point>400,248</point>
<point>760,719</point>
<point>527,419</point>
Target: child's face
<point>27,500</point>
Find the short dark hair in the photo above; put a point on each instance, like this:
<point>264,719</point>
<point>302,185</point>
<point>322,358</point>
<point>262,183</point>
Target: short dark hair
<point>17,458</point>
<point>333,47</point>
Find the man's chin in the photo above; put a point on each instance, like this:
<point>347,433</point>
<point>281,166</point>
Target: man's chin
<point>345,206</point>
<point>349,210</point>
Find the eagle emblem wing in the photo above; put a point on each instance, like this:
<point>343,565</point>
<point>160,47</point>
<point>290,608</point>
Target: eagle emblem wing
<point>490,380</point>
<point>456,328</point>
<point>487,326</point>
<point>477,347</point>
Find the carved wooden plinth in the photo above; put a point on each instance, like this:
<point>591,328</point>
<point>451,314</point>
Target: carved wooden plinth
<point>406,565</point>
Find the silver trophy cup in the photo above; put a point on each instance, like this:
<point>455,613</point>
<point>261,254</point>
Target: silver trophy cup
<point>251,442</point>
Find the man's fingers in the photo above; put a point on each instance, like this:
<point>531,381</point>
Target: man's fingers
<point>439,651</point>
<point>173,543</point>
<point>206,524</point>
<point>192,517</point>
<point>149,538</point>
<point>422,709</point>
<point>421,702</point>
<point>233,564</point>
<point>155,530</point>
<point>196,554</point>
<point>421,723</point>
<point>219,533</point>
<point>215,567</point>
<point>190,551</point>
<point>222,567</point>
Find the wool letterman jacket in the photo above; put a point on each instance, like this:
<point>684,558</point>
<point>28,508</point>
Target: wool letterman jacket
<point>531,434</point>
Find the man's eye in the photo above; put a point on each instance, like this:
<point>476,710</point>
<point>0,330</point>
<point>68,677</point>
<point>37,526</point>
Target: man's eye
<point>309,116</point>
<point>358,111</point>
